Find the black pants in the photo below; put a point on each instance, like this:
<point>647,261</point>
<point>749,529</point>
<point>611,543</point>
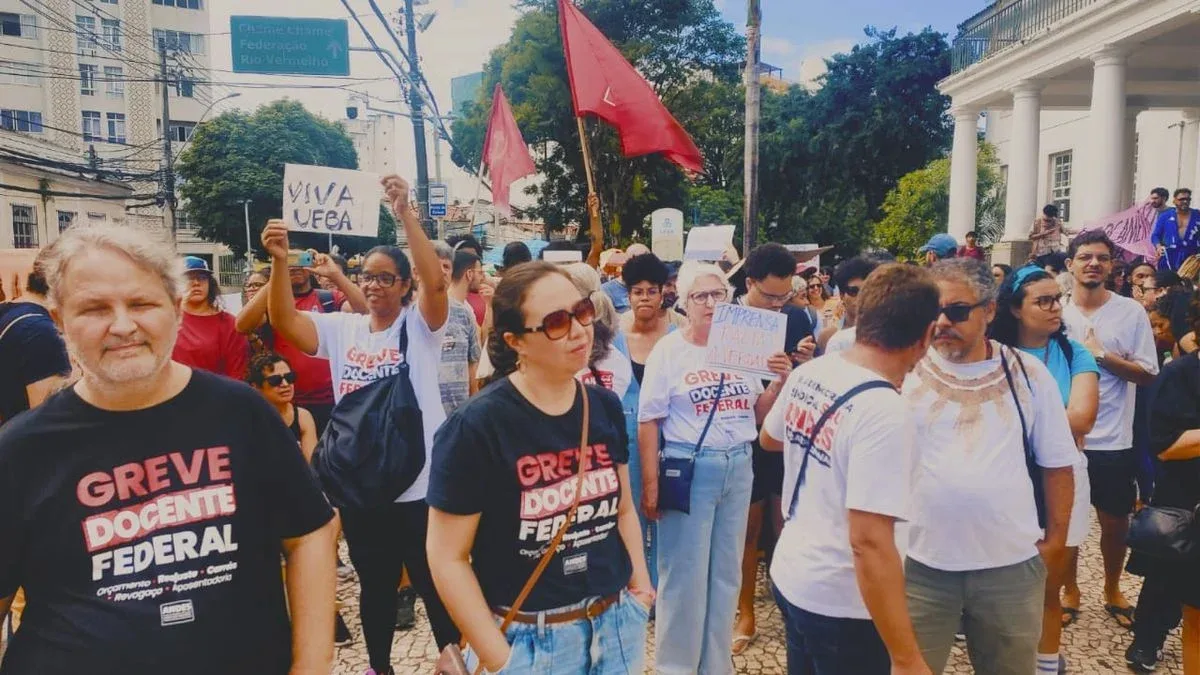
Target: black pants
<point>1159,610</point>
<point>382,543</point>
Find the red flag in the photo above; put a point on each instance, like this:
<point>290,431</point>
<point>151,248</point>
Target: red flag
<point>504,152</point>
<point>605,84</point>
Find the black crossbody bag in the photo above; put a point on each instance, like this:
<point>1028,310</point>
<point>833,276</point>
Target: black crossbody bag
<point>675,474</point>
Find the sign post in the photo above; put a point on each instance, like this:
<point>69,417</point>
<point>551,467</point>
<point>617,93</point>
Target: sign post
<point>437,200</point>
<point>273,45</point>
<point>331,201</point>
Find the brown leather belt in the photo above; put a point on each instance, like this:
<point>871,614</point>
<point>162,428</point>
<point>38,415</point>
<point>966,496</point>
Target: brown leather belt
<point>589,611</point>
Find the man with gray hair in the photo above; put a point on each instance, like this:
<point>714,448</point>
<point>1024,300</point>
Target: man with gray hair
<point>994,486</point>
<point>144,509</point>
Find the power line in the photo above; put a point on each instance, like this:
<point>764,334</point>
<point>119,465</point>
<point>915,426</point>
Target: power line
<point>55,193</point>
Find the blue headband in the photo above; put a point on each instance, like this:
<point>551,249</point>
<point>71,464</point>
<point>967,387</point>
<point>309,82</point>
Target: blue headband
<point>1021,276</point>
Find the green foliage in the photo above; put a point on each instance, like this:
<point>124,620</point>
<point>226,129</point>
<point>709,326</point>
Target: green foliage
<point>672,43</point>
<point>919,205</point>
<point>238,156</point>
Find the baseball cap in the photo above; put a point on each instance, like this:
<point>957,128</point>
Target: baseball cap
<point>193,264</point>
<point>943,245</point>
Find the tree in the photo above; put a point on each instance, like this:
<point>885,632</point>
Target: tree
<point>919,205</point>
<point>687,52</point>
<point>238,156</point>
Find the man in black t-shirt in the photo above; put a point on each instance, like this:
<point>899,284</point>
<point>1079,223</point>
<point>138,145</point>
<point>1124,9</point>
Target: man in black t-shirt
<point>144,509</point>
<point>33,358</point>
<point>769,270</point>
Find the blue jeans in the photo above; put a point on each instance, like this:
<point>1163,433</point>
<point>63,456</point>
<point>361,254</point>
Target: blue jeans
<point>700,565</point>
<point>613,643</point>
<point>825,645</point>
<point>649,527</point>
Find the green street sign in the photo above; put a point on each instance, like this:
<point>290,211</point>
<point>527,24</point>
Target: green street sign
<point>275,45</point>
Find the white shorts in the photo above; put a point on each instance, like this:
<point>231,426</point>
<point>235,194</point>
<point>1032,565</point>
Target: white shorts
<point>1081,510</point>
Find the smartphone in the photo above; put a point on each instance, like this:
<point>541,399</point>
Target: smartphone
<point>300,259</point>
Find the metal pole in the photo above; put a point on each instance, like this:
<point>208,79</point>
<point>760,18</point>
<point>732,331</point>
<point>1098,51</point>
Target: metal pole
<point>249,247</point>
<point>168,176</point>
<point>417,102</point>
<point>437,154</point>
<point>753,109</point>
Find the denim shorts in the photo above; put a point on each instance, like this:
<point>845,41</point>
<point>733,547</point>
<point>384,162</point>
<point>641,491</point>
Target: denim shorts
<point>613,643</point>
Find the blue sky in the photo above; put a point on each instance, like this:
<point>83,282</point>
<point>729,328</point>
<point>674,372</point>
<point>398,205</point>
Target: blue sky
<point>799,33</point>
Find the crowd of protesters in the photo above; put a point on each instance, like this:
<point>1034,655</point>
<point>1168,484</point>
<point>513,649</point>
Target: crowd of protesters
<point>921,461</point>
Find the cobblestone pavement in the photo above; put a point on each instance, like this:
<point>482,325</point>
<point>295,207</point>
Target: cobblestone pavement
<point>1095,645</point>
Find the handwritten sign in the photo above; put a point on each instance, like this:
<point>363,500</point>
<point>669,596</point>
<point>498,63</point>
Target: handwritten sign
<point>1130,230</point>
<point>331,201</point>
<point>743,338</point>
<point>666,234</point>
<point>708,243</point>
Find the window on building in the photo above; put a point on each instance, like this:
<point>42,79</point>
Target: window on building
<point>91,125</point>
<point>116,127</point>
<point>85,32</point>
<point>96,217</point>
<point>1060,183</point>
<point>18,25</point>
<point>185,87</point>
<point>65,220</point>
<point>29,121</point>
<point>181,4</point>
<point>25,233</point>
<point>111,29</point>
<point>16,72</point>
<point>108,2</point>
<point>87,79</point>
<point>182,131</point>
<point>180,41</point>
<point>114,78</point>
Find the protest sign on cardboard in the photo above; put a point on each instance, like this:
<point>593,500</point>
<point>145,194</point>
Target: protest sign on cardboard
<point>666,234</point>
<point>744,338</point>
<point>325,200</point>
<point>708,243</point>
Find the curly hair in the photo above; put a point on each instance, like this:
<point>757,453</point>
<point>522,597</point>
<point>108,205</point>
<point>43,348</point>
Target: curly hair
<point>261,362</point>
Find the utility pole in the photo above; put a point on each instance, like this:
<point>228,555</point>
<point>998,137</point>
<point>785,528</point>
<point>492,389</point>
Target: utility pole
<point>168,176</point>
<point>417,102</point>
<point>753,109</point>
<point>249,247</point>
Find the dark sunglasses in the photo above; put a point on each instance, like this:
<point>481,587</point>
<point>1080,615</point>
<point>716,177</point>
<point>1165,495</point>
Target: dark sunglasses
<point>960,311</point>
<point>557,324</point>
<point>852,291</point>
<point>277,380</point>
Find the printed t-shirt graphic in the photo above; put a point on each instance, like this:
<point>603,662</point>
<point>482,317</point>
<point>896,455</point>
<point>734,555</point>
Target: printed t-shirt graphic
<point>615,372</point>
<point>680,389</point>
<point>503,458</point>
<point>152,537</point>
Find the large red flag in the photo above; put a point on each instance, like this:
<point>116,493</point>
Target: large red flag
<point>504,152</point>
<point>605,84</point>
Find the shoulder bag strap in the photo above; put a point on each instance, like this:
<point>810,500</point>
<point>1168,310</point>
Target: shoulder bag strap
<point>562,530</point>
<point>403,346</point>
<point>816,431</point>
<point>1017,401</point>
<point>13,323</point>
<point>711,414</point>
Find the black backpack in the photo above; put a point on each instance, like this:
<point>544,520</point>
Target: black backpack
<point>374,446</point>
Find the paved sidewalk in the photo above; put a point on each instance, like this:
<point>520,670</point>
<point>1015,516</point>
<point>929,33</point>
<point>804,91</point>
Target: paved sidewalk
<point>1095,645</point>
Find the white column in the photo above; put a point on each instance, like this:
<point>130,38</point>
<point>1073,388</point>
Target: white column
<point>1129,161</point>
<point>1189,158</point>
<point>1107,153</point>
<point>964,171</point>
<point>1021,206</point>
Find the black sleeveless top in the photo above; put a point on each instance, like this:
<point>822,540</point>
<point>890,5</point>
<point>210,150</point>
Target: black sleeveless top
<point>295,425</point>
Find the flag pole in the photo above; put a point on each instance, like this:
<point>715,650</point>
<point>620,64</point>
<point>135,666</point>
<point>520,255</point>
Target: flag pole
<point>595,227</point>
<point>478,192</point>
<point>587,155</point>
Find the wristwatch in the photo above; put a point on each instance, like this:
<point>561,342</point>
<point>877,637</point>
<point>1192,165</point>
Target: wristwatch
<point>1101,356</point>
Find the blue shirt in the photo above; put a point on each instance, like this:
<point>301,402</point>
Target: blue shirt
<point>616,291</point>
<point>1166,233</point>
<point>1082,361</point>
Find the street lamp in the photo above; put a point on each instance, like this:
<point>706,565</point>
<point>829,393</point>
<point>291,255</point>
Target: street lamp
<point>207,110</point>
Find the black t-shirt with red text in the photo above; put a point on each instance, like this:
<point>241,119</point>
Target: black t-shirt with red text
<point>502,458</point>
<point>149,540</point>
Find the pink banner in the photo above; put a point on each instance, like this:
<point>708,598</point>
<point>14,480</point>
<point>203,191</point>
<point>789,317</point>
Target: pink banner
<point>1130,230</point>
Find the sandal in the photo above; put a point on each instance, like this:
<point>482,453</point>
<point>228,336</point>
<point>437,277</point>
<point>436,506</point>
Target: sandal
<point>1070,616</point>
<point>742,642</point>
<point>1119,613</point>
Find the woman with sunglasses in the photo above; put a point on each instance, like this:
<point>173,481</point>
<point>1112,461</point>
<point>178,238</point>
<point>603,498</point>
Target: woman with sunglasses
<point>505,466</point>
<point>362,348</point>
<point>709,416</point>
<point>1029,318</point>
<point>274,378</point>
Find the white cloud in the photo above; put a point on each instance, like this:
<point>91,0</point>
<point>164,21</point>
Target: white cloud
<point>457,43</point>
<point>812,62</point>
<point>777,48</point>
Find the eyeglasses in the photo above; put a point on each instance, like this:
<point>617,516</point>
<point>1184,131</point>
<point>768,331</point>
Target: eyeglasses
<point>254,287</point>
<point>556,325</point>
<point>1148,289</point>
<point>384,279</point>
<point>1047,302</point>
<point>852,291</point>
<point>960,311</point>
<point>652,292</point>
<point>714,296</point>
<point>278,380</point>
<point>777,297</point>
<point>1102,258</point>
